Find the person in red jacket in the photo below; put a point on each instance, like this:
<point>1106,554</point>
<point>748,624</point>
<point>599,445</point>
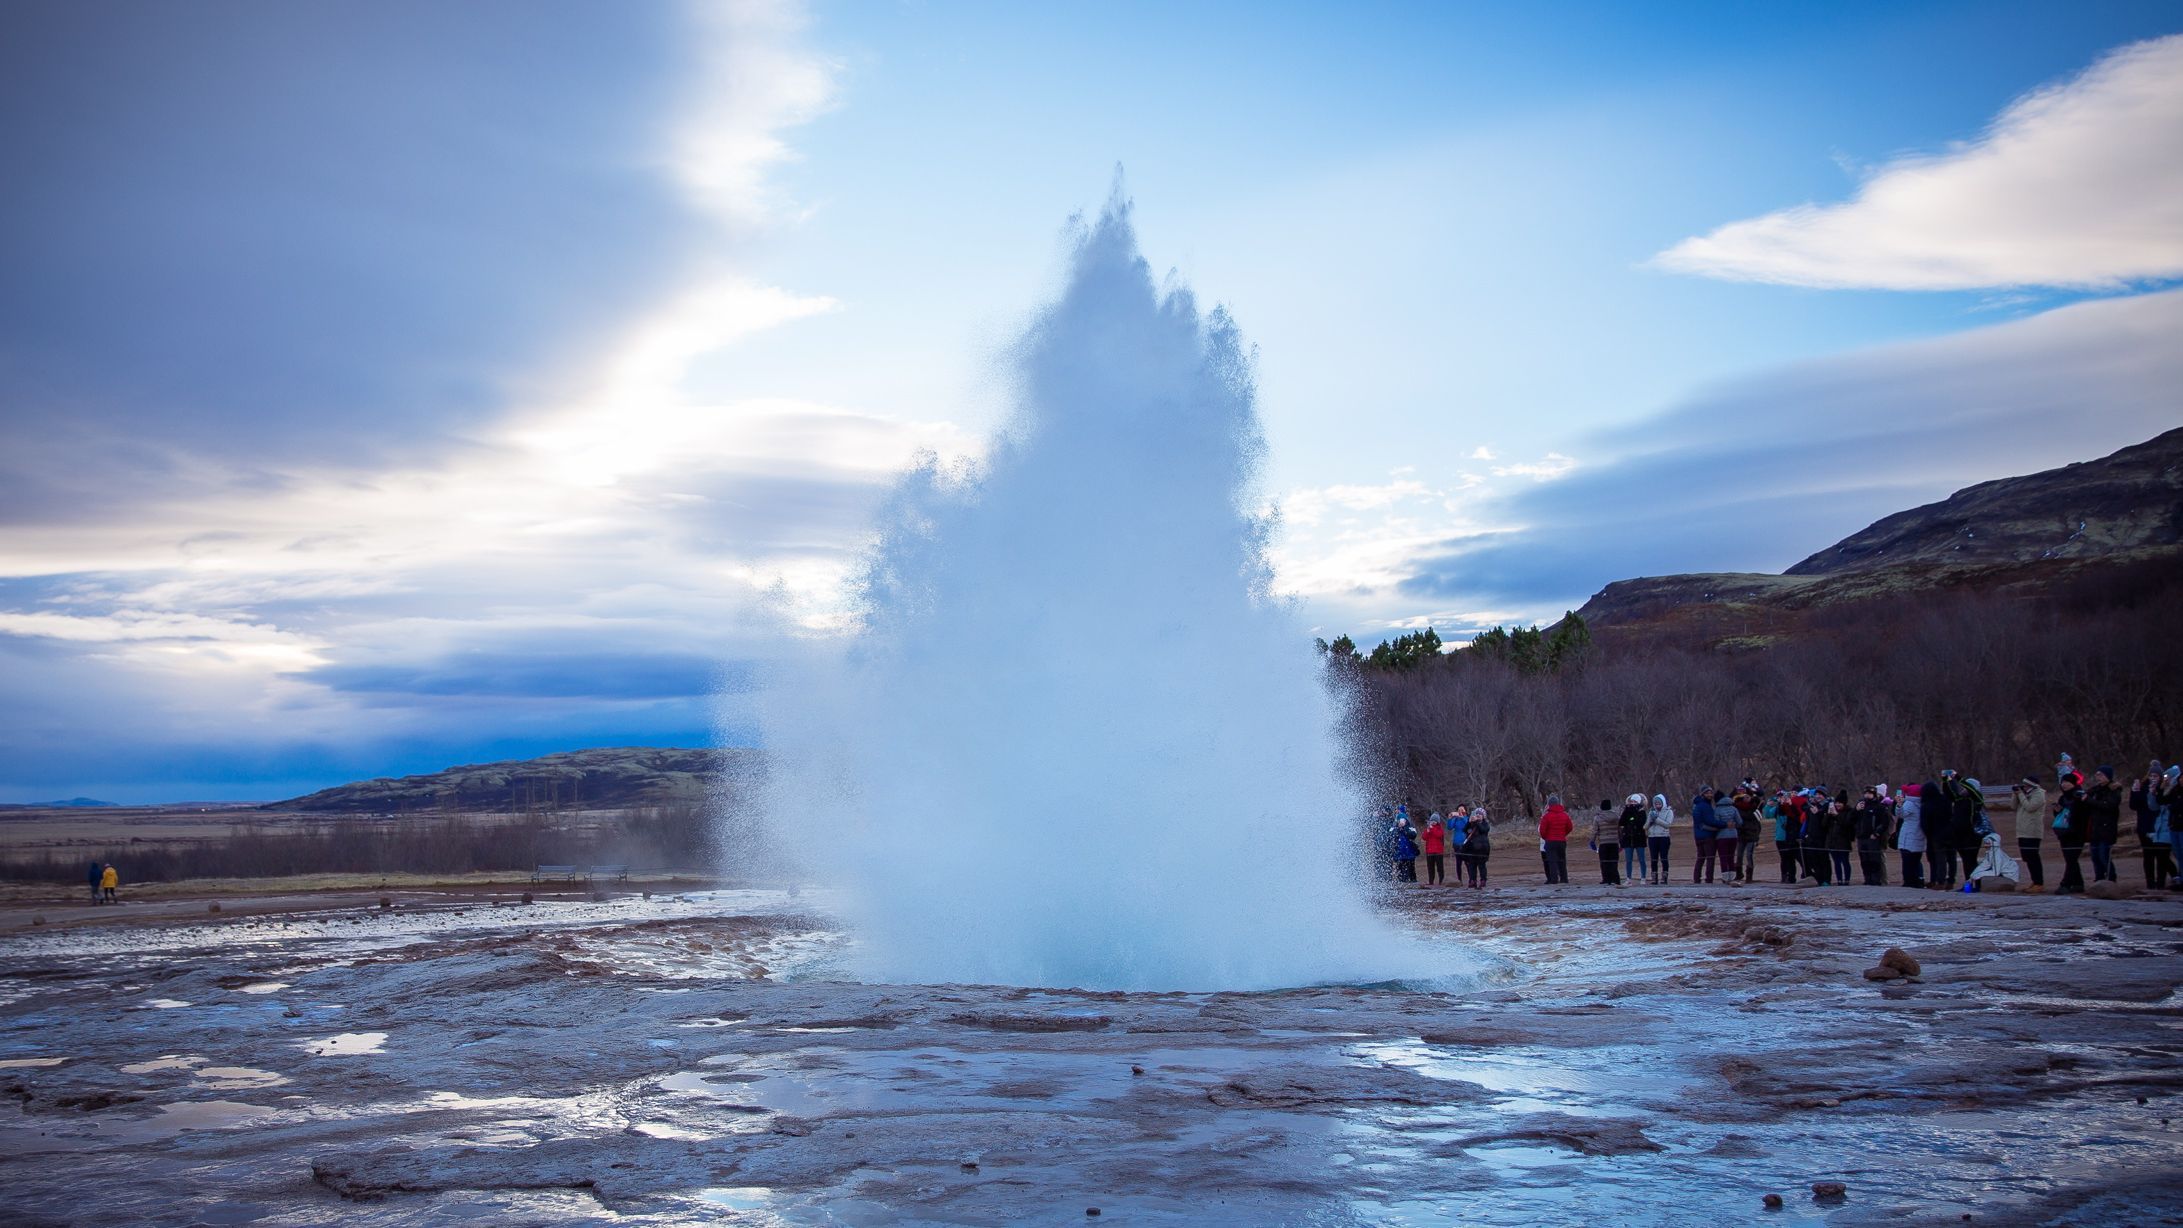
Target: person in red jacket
<point>1554,829</point>
<point>1436,850</point>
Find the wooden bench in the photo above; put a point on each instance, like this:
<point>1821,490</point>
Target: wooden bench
<point>567,873</point>
<point>619,874</point>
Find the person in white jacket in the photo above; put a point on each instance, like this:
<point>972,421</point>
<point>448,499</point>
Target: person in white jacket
<point>1659,825</point>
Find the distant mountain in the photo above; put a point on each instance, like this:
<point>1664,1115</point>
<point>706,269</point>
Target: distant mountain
<point>2119,517</point>
<point>73,803</point>
<point>604,779</point>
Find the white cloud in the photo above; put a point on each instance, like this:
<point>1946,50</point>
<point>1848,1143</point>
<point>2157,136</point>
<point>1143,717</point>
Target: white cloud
<point>757,79</point>
<point>2077,185</point>
<point>174,639</point>
<point>1545,469</point>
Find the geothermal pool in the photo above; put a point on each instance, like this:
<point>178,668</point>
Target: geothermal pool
<point>695,1058</point>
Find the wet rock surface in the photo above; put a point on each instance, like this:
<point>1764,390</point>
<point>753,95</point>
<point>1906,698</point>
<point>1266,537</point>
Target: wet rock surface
<point>1615,1058</point>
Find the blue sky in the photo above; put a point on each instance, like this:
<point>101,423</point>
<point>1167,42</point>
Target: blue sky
<point>385,386</point>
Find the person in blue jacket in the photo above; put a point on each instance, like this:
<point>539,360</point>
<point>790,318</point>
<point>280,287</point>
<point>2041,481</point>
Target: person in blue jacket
<point>1705,828</point>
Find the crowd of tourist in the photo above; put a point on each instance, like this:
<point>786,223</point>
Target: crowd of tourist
<point>1945,831</point>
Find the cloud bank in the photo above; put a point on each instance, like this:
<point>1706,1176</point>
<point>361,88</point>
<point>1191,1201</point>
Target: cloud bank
<point>1760,473</point>
<point>399,422</point>
<point>2078,185</point>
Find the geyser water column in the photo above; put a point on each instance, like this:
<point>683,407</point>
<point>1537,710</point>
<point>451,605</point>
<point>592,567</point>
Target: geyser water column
<point>1075,742</point>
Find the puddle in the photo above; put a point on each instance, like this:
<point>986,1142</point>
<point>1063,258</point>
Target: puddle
<point>237,1078</point>
<point>18,1063</point>
<point>172,1061</point>
<point>738,1197</point>
<point>217,1078</point>
<point>162,1004</point>
<point>173,1119</point>
<point>346,1044</point>
<point>1523,1155</point>
<point>263,987</point>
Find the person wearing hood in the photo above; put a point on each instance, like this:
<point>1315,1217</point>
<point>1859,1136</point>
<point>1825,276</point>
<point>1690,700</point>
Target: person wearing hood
<point>1966,814</point>
<point>2103,806</point>
<point>1607,842</point>
<point>2031,829</point>
<point>1630,828</point>
<point>1875,824</point>
<point>1554,828</point>
<point>109,879</point>
<point>1939,824</point>
<point>92,877</point>
<point>1405,847</point>
<point>1818,866</point>
<point>1659,836</point>
<point>2153,835</point>
<point>1477,846</point>
<point>1706,825</point>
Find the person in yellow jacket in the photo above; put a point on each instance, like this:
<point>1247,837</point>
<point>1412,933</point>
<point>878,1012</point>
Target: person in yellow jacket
<point>108,880</point>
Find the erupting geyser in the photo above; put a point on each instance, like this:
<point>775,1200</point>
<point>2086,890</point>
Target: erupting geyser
<point>1076,742</point>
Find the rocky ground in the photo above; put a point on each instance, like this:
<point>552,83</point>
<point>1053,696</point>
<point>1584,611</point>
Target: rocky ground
<point>1648,1056</point>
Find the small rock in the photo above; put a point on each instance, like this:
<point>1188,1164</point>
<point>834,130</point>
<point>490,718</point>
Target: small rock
<point>1882,973</point>
<point>970,1166</point>
<point>2104,890</point>
<point>213,907</point>
<point>38,920</point>
<point>1138,1070</point>
<point>1093,1212</point>
<point>2142,1100</point>
<point>1829,1190</point>
<point>1772,1201</point>
<point>526,897</point>
<point>1995,883</point>
<point>386,901</point>
<point>1901,961</point>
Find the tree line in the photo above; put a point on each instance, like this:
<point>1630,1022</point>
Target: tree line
<point>1889,690</point>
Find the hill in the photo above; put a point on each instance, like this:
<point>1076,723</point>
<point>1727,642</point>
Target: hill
<point>2122,504</point>
<point>2102,523</point>
<point>601,779</point>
